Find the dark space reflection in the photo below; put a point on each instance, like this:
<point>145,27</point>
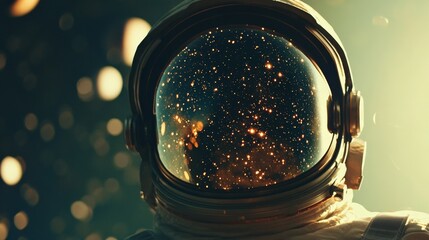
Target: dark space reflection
<point>240,108</point>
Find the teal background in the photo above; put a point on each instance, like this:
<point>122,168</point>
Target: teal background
<point>387,44</point>
<point>389,64</point>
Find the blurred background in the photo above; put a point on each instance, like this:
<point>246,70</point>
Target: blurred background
<point>64,66</point>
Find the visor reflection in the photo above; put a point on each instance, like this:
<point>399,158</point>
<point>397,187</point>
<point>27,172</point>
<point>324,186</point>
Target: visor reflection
<point>241,108</point>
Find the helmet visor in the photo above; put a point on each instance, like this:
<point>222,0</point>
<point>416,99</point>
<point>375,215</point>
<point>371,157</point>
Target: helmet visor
<point>241,108</point>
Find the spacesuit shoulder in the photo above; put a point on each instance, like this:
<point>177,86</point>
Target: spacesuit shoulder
<point>417,227</point>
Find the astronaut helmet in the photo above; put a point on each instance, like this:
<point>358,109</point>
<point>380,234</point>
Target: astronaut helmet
<point>244,109</point>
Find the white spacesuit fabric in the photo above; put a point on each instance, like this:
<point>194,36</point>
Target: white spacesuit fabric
<point>333,219</point>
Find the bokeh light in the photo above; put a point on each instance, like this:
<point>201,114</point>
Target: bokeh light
<point>30,195</point>
<point>93,236</point>
<point>47,132</point>
<point>100,145</point>
<point>66,118</point>
<point>81,211</point>
<point>121,160</point>
<point>11,170</point>
<point>31,121</point>
<point>66,21</point>
<point>2,61</point>
<point>111,185</point>
<point>135,31</point>
<point>22,7</point>
<point>109,83</point>
<point>20,220</point>
<point>4,231</point>
<point>114,127</point>
<point>85,88</point>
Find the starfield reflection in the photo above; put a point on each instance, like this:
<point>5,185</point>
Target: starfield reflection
<point>241,108</point>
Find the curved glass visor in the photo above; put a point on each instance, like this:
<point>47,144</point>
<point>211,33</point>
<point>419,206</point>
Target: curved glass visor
<point>241,108</point>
